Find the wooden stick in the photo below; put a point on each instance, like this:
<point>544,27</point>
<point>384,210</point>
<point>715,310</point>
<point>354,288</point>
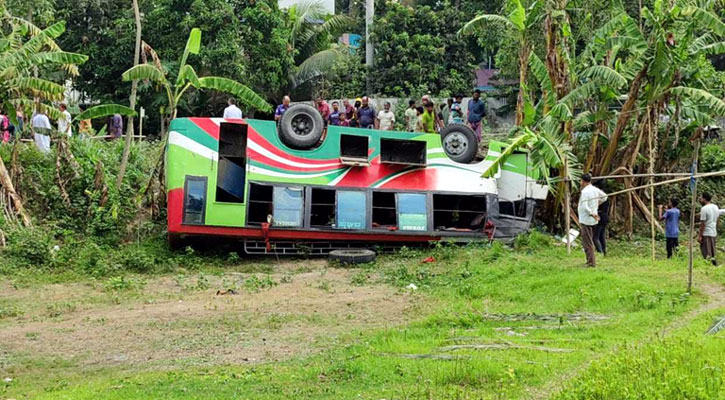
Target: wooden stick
<point>651,188</point>
<point>693,204</point>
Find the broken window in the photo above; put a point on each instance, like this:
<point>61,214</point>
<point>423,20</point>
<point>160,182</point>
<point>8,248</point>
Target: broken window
<point>459,212</point>
<point>512,208</point>
<point>351,209</point>
<point>322,208</point>
<point>194,200</point>
<point>260,205</point>
<point>406,152</point>
<point>412,212</point>
<point>384,210</point>
<point>288,205</point>
<point>231,165</point>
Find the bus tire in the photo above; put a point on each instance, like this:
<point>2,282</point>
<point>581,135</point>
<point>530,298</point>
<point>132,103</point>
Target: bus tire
<point>301,126</point>
<point>353,256</point>
<point>459,143</point>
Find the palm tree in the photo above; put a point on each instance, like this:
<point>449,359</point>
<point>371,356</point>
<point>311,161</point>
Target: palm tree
<point>313,36</point>
<point>522,21</point>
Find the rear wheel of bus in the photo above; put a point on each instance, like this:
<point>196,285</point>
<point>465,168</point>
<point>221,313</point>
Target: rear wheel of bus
<point>459,143</point>
<point>301,127</point>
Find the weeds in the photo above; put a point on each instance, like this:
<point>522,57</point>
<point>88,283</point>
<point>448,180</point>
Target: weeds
<point>121,283</point>
<point>254,284</point>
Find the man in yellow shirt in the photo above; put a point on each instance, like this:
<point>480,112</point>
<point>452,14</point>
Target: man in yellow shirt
<point>428,118</point>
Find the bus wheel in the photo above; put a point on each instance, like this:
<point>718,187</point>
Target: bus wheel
<point>301,126</point>
<point>352,256</point>
<point>459,143</point>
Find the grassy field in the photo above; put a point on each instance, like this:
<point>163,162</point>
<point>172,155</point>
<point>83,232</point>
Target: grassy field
<point>483,323</point>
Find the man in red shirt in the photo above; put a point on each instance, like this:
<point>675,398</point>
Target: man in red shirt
<point>323,108</point>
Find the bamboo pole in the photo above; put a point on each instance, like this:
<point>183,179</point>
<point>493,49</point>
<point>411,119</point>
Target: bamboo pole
<point>693,204</point>
<point>670,181</point>
<point>567,209</point>
<point>650,142</point>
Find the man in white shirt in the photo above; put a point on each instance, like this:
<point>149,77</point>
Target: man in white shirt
<point>589,200</point>
<point>232,111</point>
<point>386,118</point>
<point>40,125</point>
<point>709,214</point>
<point>64,122</point>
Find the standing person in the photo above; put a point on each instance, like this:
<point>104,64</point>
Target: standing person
<point>446,111</point>
<point>708,227</point>
<point>600,230</point>
<point>334,118</point>
<point>351,112</point>
<point>323,108</point>
<point>4,128</point>
<point>65,127</point>
<point>476,113</point>
<point>282,108</point>
<point>428,118</point>
<point>232,111</point>
<point>419,123</point>
<point>85,128</point>
<point>366,114</point>
<point>411,116</point>
<point>386,118</point>
<point>41,128</point>
<point>21,124</point>
<point>428,99</point>
<point>115,129</point>
<point>672,225</point>
<point>343,119</point>
<point>457,111</point>
<point>590,199</point>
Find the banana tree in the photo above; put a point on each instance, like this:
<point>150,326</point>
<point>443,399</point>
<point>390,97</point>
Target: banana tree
<point>23,49</point>
<point>186,78</point>
<point>523,21</point>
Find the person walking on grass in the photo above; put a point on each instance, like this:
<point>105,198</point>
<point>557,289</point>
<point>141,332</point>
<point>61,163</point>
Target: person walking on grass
<point>590,199</point>
<point>40,125</point>
<point>672,225</point>
<point>476,113</point>
<point>708,228</point>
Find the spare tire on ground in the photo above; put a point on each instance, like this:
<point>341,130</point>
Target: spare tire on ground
<point>352,256</point>
<point>459,143</point>
<point>301,126</point>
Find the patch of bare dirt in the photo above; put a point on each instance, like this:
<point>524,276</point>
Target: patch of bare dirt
<point>169,324</point>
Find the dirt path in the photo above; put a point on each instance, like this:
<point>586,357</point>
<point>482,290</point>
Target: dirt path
<point>168,324</point>
<point>715,294</point>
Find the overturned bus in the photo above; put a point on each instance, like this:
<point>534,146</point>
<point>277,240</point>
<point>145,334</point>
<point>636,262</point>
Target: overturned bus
<point>296,187</point>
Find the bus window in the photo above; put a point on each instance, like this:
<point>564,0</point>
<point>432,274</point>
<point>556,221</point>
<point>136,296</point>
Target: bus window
<point>404,152</point>
<point>288,203</point>
<point>459,212</point>
<point>194,200</point>
<point>412,212</point>
<point>384,210</point>
<point>322,208</point>
<point>351,210</point>
<point>232,163</point>
<point>260,203</point>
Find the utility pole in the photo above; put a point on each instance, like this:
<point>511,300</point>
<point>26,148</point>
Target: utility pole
<point>369,50</point>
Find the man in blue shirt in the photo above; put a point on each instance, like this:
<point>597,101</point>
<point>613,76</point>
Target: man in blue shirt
<point>476,112</point>
<point>282,108</point>
<point>366,114</point>
<point>672,226</point>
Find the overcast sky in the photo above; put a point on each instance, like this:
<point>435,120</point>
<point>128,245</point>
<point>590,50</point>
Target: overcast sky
<point>329,4</point>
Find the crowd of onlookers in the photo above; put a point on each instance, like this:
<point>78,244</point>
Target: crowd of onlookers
<point>423,116</point>
<point>41,127</point>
